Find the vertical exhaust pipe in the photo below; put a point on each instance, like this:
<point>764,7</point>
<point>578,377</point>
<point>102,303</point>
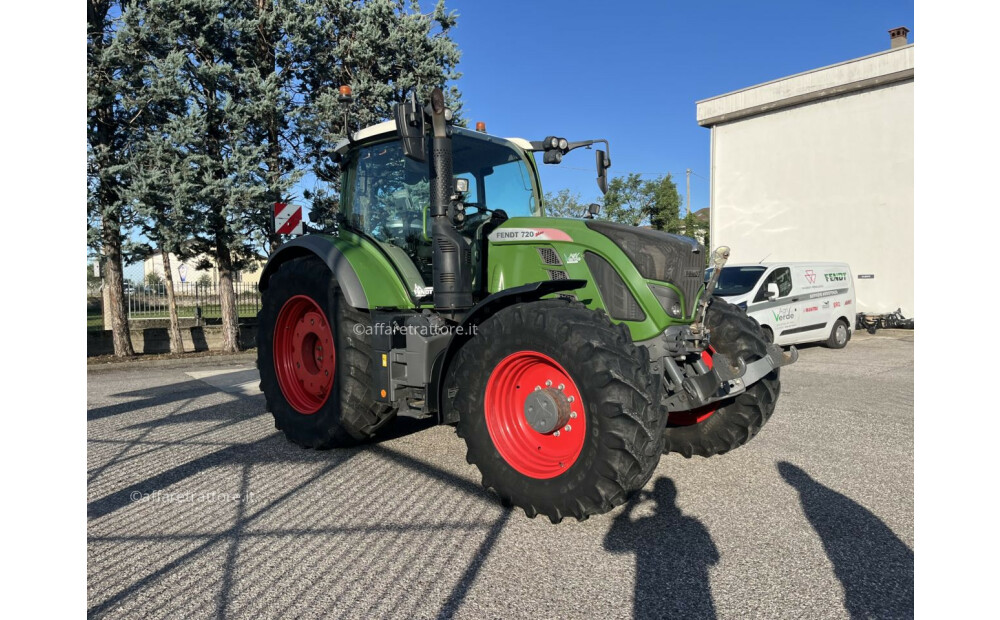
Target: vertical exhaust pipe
<point>452,267</point>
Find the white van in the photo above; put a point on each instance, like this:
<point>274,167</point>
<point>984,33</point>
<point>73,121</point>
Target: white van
<point>793,302</point>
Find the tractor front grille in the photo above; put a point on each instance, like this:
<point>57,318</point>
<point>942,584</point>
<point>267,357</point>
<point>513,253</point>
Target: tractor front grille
<point>660,256</point>
<point>618,299</point>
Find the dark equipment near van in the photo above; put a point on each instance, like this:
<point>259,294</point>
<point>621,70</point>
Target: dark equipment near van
<point>891,320</point>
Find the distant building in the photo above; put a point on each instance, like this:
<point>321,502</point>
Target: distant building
<point>819,167</point>
<point>187,271</point>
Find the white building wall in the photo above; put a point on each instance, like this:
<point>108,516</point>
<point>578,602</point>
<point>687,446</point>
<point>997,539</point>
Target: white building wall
<point>830,180</point>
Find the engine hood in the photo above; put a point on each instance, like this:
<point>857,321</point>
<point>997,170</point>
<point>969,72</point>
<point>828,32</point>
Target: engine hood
<point>660,256</point>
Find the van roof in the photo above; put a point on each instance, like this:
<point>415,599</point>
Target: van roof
<point>788,264</point>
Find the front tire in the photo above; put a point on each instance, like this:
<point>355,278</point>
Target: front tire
<point>719,428</point>
<point>543,356</point>
<point>315,359</point>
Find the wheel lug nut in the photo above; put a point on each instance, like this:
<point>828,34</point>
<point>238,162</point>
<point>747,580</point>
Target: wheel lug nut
<point>555,434</point>
<point>572,398</point>
<point>538,387</point>
<point>572,414</point>
<point>548,383</point>
<point>568,428</point>
<point>561,387</point>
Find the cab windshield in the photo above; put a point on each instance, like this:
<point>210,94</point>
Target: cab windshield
<point>736,280</point>
<point>388,196</point>
<point>390,200</point>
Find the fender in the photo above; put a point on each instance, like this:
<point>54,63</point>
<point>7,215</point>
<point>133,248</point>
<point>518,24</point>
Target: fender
<point>479,313</point>
<point>325,249</point>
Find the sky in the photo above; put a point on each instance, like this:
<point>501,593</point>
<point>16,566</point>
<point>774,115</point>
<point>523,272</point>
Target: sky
<point>631,71</point>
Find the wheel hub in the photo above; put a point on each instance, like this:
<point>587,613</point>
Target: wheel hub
<point>304,355</point>
<point>547,410</point>
<point>535,414</point>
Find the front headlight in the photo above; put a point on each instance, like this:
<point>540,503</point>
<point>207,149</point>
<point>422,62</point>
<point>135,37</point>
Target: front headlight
<point>669,300</point>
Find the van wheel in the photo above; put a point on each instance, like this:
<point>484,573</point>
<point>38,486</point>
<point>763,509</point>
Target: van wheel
<point>768,334</point>
<point>839,335</point>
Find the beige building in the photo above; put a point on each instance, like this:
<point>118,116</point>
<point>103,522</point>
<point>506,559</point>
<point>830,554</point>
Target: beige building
<point>187,271</point>
<point>819,167</point>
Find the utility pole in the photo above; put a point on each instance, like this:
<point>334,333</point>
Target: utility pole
<point>688,175</point>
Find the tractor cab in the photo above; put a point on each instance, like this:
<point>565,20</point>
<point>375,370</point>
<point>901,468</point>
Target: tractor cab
<point>386,196</point>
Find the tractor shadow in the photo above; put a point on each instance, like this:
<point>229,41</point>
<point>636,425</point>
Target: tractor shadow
<point>673,553</point>
<point>872,563</point>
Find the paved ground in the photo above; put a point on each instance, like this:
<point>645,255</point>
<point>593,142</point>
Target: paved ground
<point>197,507</point>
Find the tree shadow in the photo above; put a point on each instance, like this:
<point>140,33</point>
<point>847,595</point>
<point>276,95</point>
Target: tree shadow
<point>672,552</point>
<point>873,564</point>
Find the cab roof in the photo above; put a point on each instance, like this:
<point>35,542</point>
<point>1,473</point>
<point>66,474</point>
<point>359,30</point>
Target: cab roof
<point>387,128</point>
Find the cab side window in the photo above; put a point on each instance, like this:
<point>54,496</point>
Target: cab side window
<point>782,277</point>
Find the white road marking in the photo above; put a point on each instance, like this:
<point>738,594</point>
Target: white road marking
<point>240,381</point>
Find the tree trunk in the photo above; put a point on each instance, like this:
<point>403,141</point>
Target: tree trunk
<point>227,300</point>
<point>266,64</point>
<point>176,344</point>
<point>114,280</point>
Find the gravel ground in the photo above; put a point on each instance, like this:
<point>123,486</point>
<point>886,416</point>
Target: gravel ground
<point>197,507</point>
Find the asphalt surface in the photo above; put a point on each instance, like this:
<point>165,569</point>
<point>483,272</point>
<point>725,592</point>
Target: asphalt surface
<point>198,507</point>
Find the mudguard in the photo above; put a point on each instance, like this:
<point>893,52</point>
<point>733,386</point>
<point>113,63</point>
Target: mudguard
<point>347,257</point>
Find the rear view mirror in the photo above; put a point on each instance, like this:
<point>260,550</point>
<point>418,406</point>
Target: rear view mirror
<point>409,117</point>
<point>592,210</point>
<point>603,163</point>
<point>772,290</point>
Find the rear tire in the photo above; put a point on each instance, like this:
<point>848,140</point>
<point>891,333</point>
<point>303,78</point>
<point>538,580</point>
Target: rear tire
<point>309,407</point>
<point>839,335</point>
<point>707,432</point>
<point>612,445</point>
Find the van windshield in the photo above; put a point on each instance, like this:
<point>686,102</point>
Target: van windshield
<point>736,280</point>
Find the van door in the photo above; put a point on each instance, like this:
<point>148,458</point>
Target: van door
<point>780,313</point>
<point>814,295</point>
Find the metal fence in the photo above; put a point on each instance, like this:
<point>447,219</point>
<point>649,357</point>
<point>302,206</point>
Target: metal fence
<point>197,300</point>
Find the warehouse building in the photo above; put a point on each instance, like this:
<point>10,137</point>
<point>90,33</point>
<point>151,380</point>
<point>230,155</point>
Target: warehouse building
<point>819,167</point>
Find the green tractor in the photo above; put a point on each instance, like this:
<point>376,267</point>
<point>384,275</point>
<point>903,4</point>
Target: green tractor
<point>569,353</point>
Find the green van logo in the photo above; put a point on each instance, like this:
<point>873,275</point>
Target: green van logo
<point>784,314</point>
<point>836,277</point>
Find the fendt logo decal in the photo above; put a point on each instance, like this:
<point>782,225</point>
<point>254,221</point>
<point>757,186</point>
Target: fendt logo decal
<point>811,276</point>
<point>836,277</point>
<point>501,235</point>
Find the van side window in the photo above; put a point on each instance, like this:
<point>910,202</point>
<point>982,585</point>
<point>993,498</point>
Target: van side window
<point>782,277</point>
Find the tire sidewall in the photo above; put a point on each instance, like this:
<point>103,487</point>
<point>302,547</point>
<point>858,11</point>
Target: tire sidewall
<point>472,402</point>
<point>604,398</point>
<point>324,292</point>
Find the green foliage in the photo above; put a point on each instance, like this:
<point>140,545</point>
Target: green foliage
<point>635,202</point>
<point>203,113</point>
<point>563,204</point>
<point>153,280</point>
<point>383,49</point>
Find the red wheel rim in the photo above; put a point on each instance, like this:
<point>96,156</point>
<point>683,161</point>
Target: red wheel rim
<point>695,416</point>
<point>534,454</point>
<point>304,355</point>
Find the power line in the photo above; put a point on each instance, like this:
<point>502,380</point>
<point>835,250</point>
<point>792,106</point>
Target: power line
<point>659,174</point>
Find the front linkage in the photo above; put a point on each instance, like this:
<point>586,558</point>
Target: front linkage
<point>697,375</point>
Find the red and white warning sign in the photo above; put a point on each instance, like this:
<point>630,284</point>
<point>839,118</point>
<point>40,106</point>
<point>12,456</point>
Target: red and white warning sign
<point>287,219</point>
